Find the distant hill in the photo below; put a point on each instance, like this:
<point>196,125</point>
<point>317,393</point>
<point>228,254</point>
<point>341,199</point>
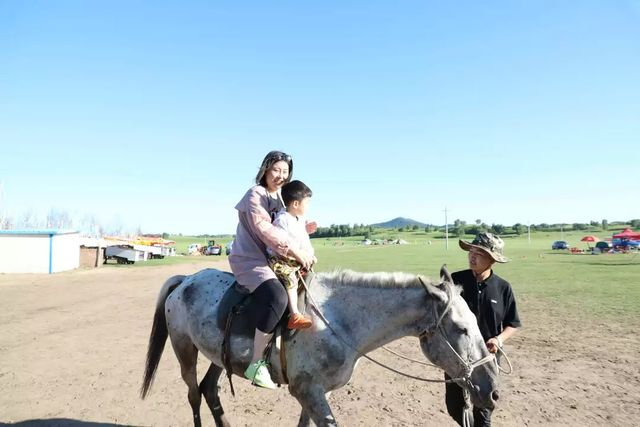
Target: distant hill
<point>399,222</point>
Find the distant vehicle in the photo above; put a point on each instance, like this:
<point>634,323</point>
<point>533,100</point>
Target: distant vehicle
<point>228,248</point>
<point>603,246</point>
<point>559,244</point>
<point>212,249</point>
<point>123,254</point>
<point>625,244</point>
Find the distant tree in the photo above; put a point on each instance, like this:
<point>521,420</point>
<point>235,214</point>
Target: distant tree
<point>473,229</point>
<point>579,226</point>
<point>29,220</point>
<point>518,228</point>
<point>605,224</point>
<point>634,223</point>
<point>7,223</point>
<point>415,227</point>
<point>58,219</point>
<point>478,221</point>
<point>459,227</point>
<point>497,229</point>
<point>165,236</point>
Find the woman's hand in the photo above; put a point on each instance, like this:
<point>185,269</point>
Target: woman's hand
<point>302,257</point>
<point>311,227</point>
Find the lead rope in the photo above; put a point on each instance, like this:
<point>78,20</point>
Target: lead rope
<point>315,307</point>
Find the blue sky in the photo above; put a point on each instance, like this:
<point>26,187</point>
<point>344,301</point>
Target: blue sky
<point>156,115</point>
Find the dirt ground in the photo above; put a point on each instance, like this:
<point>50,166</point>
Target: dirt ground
<point>72,349</point>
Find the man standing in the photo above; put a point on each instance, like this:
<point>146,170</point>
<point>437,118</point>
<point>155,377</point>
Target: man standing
<point>492,301</point>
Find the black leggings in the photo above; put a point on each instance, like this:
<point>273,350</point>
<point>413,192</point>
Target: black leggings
<point>272,302</point>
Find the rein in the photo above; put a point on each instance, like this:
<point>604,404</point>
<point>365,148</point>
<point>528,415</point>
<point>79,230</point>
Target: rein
<point>468,366</point>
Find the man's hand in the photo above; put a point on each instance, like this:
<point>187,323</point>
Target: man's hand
<point>493,344</point>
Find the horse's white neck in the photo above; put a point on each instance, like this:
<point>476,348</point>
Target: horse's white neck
<point>372,317</point>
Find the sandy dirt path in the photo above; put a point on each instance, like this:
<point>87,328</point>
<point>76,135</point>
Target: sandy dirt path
<point>72,349</point>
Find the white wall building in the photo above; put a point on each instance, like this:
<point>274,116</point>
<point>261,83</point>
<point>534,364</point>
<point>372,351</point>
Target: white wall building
<point>39,251</point>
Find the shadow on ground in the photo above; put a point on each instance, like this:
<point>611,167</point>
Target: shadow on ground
<point>61,422</point>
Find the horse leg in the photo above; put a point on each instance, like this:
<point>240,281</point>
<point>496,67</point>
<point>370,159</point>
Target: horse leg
<point>187,355</point>
<point>209,387</point>
<point>314,403</point>
<point>304,420</point>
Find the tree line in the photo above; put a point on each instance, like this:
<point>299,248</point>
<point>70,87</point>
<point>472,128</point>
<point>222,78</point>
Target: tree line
<point>461,228</point>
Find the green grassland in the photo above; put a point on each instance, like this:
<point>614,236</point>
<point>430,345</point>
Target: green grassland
<point>591,285</point>
<point>605,285</point>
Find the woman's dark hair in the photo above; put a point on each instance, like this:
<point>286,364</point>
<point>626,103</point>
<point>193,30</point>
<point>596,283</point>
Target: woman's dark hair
<point>269,160</point>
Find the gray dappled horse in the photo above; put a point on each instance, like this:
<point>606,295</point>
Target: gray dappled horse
<point>364,310</point>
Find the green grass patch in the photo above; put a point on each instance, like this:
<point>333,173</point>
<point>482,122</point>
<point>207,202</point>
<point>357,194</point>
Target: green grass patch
<point>585,285</point>
<point>588,285</point>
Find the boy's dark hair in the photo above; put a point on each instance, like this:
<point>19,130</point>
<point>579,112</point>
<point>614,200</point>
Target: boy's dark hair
<point>294,190</point>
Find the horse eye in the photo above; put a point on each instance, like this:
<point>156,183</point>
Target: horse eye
<point>463,331</point>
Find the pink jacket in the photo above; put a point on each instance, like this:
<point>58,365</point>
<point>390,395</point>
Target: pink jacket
<point>248,259</point>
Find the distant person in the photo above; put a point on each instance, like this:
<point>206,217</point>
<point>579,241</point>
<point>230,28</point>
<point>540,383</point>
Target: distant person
<point>248,261</point>
<point>492,301</point>
<point>296,196</point>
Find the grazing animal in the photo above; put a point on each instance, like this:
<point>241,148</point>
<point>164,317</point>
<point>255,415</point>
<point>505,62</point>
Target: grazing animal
<point>365,311</point>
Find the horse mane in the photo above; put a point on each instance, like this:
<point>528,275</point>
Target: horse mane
<point>380,279</point>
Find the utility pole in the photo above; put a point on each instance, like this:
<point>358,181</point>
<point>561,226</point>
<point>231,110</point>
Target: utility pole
<point>529,233</point>
<point>446,229</point>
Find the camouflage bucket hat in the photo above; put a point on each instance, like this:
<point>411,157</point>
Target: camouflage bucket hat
<point>490,243</point>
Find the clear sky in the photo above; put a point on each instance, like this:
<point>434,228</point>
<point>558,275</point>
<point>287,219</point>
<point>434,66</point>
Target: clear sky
<point>157,114</point>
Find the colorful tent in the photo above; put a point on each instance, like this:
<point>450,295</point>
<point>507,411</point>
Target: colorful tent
<point>627,233</point>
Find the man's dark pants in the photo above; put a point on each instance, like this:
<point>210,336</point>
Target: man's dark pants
<point>454,397</point>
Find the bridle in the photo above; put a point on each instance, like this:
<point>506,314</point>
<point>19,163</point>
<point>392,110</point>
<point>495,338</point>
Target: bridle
<point>468,367</point>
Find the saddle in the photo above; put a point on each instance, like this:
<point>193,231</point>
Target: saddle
<point>236,316</point>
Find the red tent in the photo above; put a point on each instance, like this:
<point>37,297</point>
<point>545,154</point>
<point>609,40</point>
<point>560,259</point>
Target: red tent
<point>627,233</point>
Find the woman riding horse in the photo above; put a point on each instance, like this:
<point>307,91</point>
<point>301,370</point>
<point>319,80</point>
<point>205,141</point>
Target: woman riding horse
<point>249,259</point>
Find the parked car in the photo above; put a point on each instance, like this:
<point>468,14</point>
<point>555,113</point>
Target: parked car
<point>227,250</point>
<point>603,246</point>
<point>212,248</point>
<point>560,244</point>
<point>625,244</point>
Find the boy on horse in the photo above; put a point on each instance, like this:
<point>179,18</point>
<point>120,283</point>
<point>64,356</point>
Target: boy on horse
<point>296,196</point>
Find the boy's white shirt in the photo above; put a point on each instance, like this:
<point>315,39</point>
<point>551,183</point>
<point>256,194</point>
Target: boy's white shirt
<point>296,229</point>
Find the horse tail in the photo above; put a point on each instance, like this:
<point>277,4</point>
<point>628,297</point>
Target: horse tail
<point>159,334</point>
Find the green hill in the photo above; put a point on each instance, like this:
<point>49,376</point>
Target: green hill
<point>399,222</point>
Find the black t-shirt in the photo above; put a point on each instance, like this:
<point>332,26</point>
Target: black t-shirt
<point>492,301</point>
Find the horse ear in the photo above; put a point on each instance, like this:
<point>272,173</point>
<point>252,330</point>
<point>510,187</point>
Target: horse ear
<point>445,276</point>
<point>435,290</point>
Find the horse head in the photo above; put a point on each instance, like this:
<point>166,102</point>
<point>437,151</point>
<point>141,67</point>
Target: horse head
<point>452,341</point>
